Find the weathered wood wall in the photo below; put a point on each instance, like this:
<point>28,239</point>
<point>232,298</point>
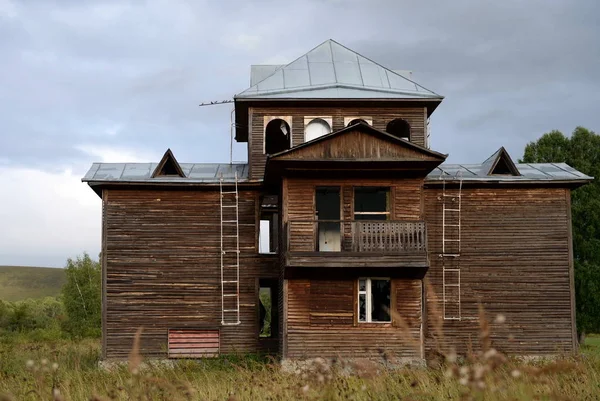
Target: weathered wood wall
<point>322,321</point>
<point>515,260</point>
<point>162,268</point>
<point>381,116</point>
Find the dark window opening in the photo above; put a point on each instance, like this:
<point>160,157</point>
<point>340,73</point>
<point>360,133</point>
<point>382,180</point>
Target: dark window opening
<point>268,234</point>
<point>267,305</point>
<point>502,168</point>
<point>399,128</point>
<point>169,168</point>
<point>356,121</point>
<point>277,136</point>
<point>371,203</point>
<point>374,300</point>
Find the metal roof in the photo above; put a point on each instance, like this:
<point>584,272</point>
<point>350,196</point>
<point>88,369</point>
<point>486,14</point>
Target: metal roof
<point>331,70</point>
<point>211,173</point>
<point>142,173</point>
<point>529,172</point>
<point>262,71</point>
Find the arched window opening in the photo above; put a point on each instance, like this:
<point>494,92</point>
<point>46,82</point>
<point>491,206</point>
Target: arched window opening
<point>277,136</point>
<point>316,128</point>
<point>399,128</point>
<point>356,121</point>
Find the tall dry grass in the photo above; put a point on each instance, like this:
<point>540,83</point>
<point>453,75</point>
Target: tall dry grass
<point>63,370</point>
<point>69,371</point>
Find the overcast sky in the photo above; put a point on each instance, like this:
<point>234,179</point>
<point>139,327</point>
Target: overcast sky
<point>120,81</point>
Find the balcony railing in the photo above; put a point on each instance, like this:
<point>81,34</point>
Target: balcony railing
<point>359,236</point>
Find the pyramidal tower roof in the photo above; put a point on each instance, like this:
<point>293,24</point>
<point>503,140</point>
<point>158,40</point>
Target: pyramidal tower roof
<point>332,71</point>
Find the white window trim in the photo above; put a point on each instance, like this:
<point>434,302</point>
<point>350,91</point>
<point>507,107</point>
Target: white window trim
<point>368,300</point>
<point>309,119</point>
<point>267,120</point>
<point>347,120</point>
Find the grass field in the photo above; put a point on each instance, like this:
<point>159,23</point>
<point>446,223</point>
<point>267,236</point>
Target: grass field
<point>76,376</point>
<point>21,282</point>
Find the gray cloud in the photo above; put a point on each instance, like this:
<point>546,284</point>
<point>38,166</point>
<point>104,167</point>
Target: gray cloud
<point>82,79</point>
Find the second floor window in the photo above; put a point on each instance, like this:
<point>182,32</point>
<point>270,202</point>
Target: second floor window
<point>374,299</point>
<point>371,203</point>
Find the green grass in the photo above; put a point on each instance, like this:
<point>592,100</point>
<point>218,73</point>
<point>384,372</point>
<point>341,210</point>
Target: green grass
<point>77,377</point>
<point>592,343</point>
<point>18,283</point>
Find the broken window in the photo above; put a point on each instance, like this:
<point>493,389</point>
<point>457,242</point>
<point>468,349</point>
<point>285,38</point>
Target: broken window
<point>371,203</point>
<point>351,121</point>
<point>277,136</point>
<point>399,128</point>
<point>374,300</point>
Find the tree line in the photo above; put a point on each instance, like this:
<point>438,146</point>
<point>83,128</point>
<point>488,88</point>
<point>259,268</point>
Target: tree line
<point>76,313</point>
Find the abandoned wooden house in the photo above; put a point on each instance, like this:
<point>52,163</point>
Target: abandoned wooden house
<point>344,234</point>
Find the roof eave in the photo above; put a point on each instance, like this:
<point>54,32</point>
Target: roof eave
<point>576,183</point>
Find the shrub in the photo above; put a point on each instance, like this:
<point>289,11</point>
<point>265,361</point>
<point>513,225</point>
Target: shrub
<point>82,297</point>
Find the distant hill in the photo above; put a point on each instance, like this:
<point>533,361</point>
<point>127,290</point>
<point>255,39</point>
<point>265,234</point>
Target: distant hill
<point>21,282</point>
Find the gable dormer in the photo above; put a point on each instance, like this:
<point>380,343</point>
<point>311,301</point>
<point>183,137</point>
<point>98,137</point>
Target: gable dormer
<point>323,91</point>
<point>168,167</point>
<point>500,163</point>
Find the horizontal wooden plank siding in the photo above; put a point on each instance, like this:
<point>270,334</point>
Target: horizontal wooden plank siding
<point>515,261</point>
<point>322,321</point>
<point>415,116</point>
<point>162,267</point>
<point>190,343</point>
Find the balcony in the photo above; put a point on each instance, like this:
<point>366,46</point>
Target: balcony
<point>360,243</point>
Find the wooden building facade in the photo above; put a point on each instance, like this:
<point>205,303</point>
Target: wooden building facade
<point>344,235</point>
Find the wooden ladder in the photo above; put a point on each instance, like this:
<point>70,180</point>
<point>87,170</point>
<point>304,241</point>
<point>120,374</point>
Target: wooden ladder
<point>230,255</point>
<point>451,248</point>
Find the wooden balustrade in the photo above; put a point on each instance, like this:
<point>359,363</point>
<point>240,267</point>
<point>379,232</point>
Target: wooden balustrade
<point>382,236</point>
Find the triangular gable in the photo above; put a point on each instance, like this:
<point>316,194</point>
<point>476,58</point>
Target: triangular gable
<point>359,142</point>
<point>168,166</point>
<point>500,163</point>
<point>332,65</point>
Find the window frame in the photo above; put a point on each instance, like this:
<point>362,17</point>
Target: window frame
<point>388,203</point>
<point>266,121</point>
<point>272,216</point>
<point>368,301</point>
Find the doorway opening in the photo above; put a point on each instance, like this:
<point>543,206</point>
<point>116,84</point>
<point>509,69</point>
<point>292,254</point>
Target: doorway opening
<point>268,319</point>
<point>327,201</point>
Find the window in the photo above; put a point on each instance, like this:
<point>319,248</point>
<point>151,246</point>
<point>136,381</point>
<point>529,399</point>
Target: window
<point>348,121</point>
<point>371,203</point>
<point>316,127</point>
<point>374,300</point>
<point>277,136</point>
<point>267,234</point>
<point>399,128</point>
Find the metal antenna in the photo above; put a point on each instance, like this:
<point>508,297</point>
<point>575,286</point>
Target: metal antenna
<point>215,103</point>
<point>231,126</point>
<point>231,121</point>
